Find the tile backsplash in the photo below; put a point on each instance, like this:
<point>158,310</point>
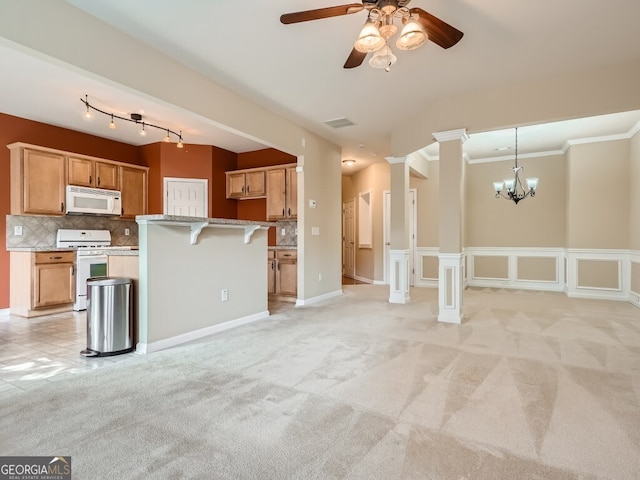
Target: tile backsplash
<point>290,237</point>
<point>40,231</point>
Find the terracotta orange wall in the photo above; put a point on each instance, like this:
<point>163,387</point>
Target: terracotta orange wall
<point>15,129</point>
<point>192,161</point>
<point>264,158</point>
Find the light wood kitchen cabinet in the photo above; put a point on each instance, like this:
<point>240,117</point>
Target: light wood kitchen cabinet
<point>282,194</point>
<point>284,274</point>
<point>133,188</point>
<point>38,181</point>
<point>246,184</point>
<point>271,272</point>
<point>42,282</point>
<point>85,172</point>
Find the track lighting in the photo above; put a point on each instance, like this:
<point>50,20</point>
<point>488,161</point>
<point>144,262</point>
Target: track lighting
<point>134,118</point>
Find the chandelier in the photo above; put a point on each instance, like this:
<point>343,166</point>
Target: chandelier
<point>515,189</point>
<point>134,118</point>
<point>380,27</point>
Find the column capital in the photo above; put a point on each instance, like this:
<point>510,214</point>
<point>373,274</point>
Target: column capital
<point>393,160</point>
<point>460,134</point>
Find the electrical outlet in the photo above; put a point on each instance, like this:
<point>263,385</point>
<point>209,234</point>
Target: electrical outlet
<point>17,230</point>
<point>127,232</point>
<point>224,295</point>
<point>283,232</point>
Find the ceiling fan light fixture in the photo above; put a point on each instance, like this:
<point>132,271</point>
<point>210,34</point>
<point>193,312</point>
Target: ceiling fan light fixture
<point>383,58</point>
<point>388,29</point>
<point>369,39</point>
<point>412,36</point>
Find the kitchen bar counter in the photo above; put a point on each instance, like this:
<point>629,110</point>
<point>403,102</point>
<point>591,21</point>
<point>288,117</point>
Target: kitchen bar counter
<point>198,276</point>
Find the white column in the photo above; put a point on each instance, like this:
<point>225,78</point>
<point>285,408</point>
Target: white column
<point>450,275</point>
<point>451,205</point>
<point>399,253</point>
<point>399,276</point>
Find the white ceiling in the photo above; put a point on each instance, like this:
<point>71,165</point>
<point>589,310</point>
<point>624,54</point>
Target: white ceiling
<point>296,70</point>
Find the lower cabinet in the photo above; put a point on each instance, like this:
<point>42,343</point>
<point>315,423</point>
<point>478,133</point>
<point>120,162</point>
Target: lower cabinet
<point>283,273</point>
<point>42,282</point>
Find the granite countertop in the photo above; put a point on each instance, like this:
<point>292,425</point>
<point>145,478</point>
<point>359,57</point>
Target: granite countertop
<point>189,220</point>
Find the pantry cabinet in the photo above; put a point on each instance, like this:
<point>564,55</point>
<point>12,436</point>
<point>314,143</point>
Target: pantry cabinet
<point>86,172</point>
<point>38,181</point>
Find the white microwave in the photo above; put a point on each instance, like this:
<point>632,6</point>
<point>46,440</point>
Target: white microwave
<point>93,200</point>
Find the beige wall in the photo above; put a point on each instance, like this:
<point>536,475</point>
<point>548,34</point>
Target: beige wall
<point>427,206</point>
<point>537,269</point>
<point>598,274</point>
<point>634,202</point>
<point>534,222</point>
<point>598,202</point>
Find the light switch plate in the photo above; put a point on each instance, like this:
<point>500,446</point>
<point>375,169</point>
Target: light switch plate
<point>315,230</point>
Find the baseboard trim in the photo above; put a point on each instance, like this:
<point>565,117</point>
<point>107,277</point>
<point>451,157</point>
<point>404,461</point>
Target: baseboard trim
<point>308,301</point>
<point>4,312</point>
<point>144,348</point>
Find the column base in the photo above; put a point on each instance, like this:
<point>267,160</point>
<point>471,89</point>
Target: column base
<point>399,276</point>
<point>450,287</point>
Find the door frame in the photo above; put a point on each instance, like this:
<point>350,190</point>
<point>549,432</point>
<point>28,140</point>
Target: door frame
<point>166,181</point>
<point>413,240</point>
<point>353,227</point>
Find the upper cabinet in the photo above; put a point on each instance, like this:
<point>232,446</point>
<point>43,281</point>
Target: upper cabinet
<point>86,172</point>
<point>282,193</point>
<point>39,177</point>
<point>38,180</point>
<point>133,187</point>
<point>246,184</point>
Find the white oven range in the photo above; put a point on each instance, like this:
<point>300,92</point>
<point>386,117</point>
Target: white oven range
<point>91,260</point>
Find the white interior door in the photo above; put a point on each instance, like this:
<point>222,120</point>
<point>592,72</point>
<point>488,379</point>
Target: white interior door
<point>348,239</point>
<point>186,197</point>
<point>386,233</point>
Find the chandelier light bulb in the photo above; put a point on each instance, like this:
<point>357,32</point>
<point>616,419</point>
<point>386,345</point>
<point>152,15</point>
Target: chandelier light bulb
<point>369,39</point>
<point>87,114</point>
<point>412,36</point>
<point>112,124</point>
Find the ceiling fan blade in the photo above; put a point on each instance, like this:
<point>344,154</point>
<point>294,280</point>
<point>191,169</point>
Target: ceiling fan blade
<point>319,13</point>
<point>355,59</point>
<point>439,32</point>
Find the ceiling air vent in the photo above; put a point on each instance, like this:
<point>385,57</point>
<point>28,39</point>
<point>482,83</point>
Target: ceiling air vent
<point>339,122</point>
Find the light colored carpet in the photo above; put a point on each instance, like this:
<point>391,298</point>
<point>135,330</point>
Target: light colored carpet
<point>532,386</point>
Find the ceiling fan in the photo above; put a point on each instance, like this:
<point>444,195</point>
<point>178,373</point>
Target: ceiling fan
<point>418,26</point>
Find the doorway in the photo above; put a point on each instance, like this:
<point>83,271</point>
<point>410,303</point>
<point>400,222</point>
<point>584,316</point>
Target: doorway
<point>348,239</point>
<point>386,214</point>
<point>186,197</point>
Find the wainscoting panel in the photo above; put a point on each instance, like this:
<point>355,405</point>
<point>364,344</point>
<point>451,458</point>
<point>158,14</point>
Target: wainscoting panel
<point>602,274</point>
<point>426,267</point>
<point>524,268</point>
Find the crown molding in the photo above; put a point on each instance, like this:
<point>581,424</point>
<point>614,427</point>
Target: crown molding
<point>394,160</point>
<point>447,136</point>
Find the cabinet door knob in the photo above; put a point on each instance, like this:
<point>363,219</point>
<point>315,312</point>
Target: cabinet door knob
<point>98,181</point>
<point>90,177</point>
<point>283,212</point>
<point>55,258</point>
<point>289,212</point>
<point>62,207</point>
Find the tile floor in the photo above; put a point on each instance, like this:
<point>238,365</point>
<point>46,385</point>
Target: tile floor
<point>47,349</point>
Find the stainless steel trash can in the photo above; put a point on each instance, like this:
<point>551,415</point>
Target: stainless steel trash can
<point>109,316</point>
